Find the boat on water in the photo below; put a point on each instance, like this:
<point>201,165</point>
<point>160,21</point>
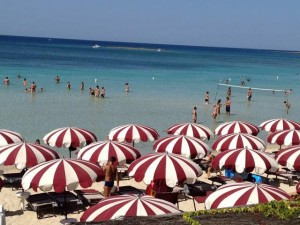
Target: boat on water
<point>96,46</point>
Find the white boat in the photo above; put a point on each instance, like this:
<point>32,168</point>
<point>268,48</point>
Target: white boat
<point>96,46</point>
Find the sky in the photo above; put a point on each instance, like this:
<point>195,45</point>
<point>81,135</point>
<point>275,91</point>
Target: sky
<point>259,24</point>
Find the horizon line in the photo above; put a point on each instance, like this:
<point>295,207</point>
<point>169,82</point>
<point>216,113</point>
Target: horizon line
<point>141,43</point>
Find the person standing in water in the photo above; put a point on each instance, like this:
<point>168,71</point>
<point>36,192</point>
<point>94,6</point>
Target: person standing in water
<point>219,105</point>
<point>215,111</point>
<point>6,81</point>
<point>82,86</point>
<point>126,87</point>
<point>68,85</point>
<point>206,99</point>
<point>249,94</point>
<point>194,114</point>
<point>287,106</point>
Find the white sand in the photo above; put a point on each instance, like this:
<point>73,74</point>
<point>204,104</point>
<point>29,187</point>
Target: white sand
<point>14,214</point>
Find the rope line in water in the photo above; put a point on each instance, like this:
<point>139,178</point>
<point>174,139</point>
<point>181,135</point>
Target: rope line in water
<point>261,89</point>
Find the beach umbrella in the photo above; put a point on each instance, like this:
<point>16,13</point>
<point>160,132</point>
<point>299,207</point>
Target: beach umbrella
<point>117,207</point>
<point>133,133</point>
<point>234,141</point>
<point>191,130</point>
<point>69,137</point>
<point>173,169</point>
<point>274,125</point>
<point>9,137</point>
<point>237,127</point>
<point>100,152</point>
<point>245,160</point>
<point>182,145</point>
<point>289,157</point>
<point>25,155</point>
<point>242,194</point>
<point>285,137</point>
<point>61,175</point>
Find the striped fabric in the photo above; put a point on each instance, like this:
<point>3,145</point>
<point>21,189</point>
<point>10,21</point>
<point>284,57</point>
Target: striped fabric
<point>285,137</point>
<point>9,137</point>
<point>191,130</point>
<point>237,127</point>
<point>274,125</point>
<point>289,157</point>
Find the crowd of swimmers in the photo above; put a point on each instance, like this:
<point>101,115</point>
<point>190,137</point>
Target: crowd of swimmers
<point>97,91</point>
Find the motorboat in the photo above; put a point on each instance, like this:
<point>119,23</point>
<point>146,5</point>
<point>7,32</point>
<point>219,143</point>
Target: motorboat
<point>96,46</point>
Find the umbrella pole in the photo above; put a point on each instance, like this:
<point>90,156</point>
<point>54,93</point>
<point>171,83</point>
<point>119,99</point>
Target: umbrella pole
<point>65,206</point>
<point>132,143</point>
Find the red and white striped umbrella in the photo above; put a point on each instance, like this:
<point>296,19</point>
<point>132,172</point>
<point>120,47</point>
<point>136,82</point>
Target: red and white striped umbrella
<point>25,155</point>
<point>9,137</point>
<point>60,175</point>
<point>174,169</point>
<point>69,137</point>
<point>289,157</point>
<point>182,145</point>
<point>237,127</point>
<point>242,194</point>
<point>234,141</point>
<point>191,130</point>
<point>133,133</point>
<point>116,207</point>
<point>100,152</point>
<point>244,159</point>
<point>274,125</point>
<point>285,137</point>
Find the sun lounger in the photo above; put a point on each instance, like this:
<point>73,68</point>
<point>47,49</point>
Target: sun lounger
<point>289,177</point>
<point>89,196</point>
<point>219,179</point>
<point>42,204</point>
<point>129,190</point>
<point>67,200</point>
<point>13,180</point>
<point>123,172</point>
<point>201,199</point>
<point>168,196</point>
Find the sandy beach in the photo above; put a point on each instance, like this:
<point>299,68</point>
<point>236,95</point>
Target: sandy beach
<point>14,214</point>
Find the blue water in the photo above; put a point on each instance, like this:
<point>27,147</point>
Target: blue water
<point>165,85</point>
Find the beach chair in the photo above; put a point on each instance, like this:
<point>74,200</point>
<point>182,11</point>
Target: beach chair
<point>123,172</point>
<point>89,196</point>
<point>128,190</point>
<point>67,200</point>
<point>13,180</point>
<point>201,199</point>
<point>168,196</point>
<point>219,179</point>
<point>289,177</point>
<point>42,204</point>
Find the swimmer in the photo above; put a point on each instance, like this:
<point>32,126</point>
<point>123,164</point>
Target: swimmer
<point>25,82</point>
<point>57,79</point>
<point>82,86</point>
<point>126,87</point>
<point>194,114</point>
<point>215,111</point>
<point>68,85</point>
<point>206,98</point>
<point>6,81</point>
<point>249,94</point>
<point>287,106</point>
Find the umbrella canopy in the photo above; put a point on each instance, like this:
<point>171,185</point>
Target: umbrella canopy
<point>9,137</point>
<point>116,207</point>
<point>25,155</point>
<point>289,157</point>
<point>101,152</point>
<point>274,125</point>
<point>191,130</point>
<point>69,137</point>
<point>62,174</point>
<point>237,127</point>
<point>133,133</point>
<point>242,194</point>
<point>234,141</point>
<point>182,145</point>
<point>285,137</point>
<point>244,159</point>
<point>174,169</point>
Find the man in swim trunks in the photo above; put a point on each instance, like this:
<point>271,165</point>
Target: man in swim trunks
<point>206,97</point>
<point>111,174</point>
<point>249,94</point>
<point>227,106</point>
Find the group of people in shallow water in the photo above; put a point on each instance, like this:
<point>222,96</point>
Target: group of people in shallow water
<point>97,92</point>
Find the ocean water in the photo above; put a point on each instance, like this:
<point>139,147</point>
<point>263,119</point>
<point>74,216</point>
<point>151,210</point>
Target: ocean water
<point>165,81</point>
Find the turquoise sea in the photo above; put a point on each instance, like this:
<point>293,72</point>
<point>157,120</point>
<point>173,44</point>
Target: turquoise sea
<point>165,81</point>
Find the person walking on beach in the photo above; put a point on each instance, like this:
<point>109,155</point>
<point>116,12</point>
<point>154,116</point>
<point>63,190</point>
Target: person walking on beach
<point>111,174</point>
<point>126,87</point>
<point>102,92</point>
<point>287,106</point>
<point>194,114</point>
<point>6,81</point>
<point>206,99</point>
<point>249,94</point>
<point>215,111</point>
<point>219,105</point>
<point>228,106</point>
